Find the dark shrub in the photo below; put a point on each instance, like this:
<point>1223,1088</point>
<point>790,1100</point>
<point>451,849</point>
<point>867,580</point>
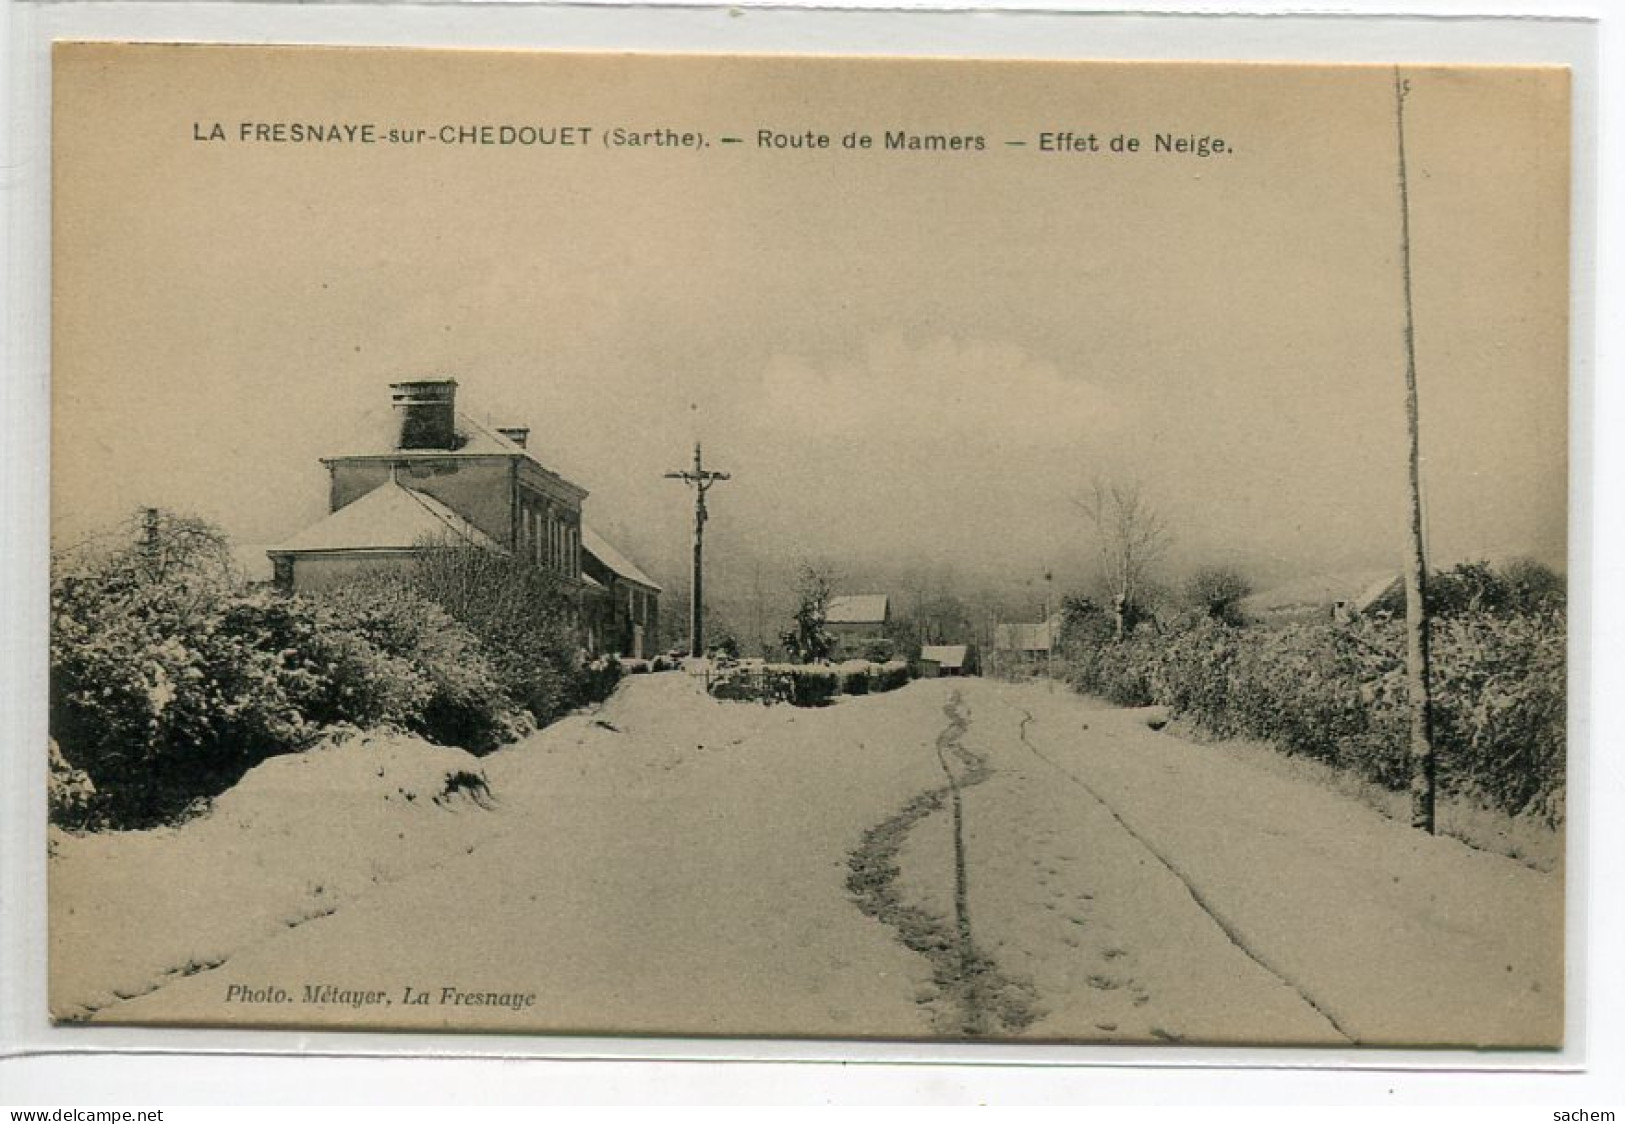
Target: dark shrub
<point>890,675</point>
<point>854,677</point>
<point>597,680</point>
<point>813,684</point>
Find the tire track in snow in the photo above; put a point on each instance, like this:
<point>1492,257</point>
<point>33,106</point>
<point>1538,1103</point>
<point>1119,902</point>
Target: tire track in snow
<point>1225,926</point>
<point>977,995</point>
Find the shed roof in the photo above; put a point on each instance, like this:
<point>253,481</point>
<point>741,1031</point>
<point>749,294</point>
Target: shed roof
<point>858,608</point>
<point>390,517</point>
<point>614,561</point>
<point>945,655</point>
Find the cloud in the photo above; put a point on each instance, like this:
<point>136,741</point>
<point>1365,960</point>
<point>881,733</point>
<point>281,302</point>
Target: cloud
<point>968,397</point>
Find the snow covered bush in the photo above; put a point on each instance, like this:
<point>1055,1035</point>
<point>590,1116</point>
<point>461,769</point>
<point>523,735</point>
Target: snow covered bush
<point>72,794</point>
<point>1116,671</point>
<point>156,690</point>
<point>522,618</point>
<point>392,657</point>
<point>1501,711</point>
<point>171,678</point>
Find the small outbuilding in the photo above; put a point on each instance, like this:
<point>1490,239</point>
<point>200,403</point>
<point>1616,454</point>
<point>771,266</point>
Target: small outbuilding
<point>942,660</point>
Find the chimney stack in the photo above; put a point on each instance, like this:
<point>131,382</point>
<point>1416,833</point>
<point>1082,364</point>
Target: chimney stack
<point>427,413</point>
<point>518,434</point>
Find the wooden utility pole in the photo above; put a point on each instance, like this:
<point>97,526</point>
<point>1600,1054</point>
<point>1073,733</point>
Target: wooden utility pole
<point>1417,655</point>
<point>700,479</point>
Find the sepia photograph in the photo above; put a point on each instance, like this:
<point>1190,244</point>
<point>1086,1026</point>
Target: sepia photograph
<point>807,547</point>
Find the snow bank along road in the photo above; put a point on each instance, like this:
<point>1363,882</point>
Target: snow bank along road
<point>965,859</point>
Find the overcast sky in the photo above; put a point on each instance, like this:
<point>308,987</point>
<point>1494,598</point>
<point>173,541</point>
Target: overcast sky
<point>904,358</point>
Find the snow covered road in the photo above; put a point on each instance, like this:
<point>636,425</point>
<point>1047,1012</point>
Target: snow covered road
<point>961,858</point>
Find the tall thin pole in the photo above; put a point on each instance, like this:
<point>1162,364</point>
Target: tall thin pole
<point>701,481</point>
<point>1423,765</point>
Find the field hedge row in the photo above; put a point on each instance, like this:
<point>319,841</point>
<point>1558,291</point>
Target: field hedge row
<point>808,684</point>
<point>1338,693</point>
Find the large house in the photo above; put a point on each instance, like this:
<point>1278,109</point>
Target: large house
<point>425,473</point>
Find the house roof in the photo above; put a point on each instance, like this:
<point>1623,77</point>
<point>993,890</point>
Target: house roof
<point>1357,588</point>
<point>858,608</point>
<point>945,655</point>
<point>613,560</point>
<point>390,517</point>
<point>378,430</point>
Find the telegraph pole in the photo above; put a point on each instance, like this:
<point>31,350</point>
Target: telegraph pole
<point>700,479</point>
<point>1417,655</point>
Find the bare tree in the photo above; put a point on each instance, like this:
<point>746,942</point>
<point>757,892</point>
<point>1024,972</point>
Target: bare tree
<point>1131,539</point>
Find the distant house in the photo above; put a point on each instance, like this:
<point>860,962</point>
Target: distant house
<point>858,619</point>
<point>1027,641</point>
<point>937,660</point>
<point>1021,647</point>
<point>1335,596</point>
<point>425,473</point>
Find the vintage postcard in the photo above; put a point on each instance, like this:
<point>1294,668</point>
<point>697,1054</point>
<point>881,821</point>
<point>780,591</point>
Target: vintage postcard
<point>815,547</point>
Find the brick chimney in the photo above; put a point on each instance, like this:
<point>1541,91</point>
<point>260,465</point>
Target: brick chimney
<point>518,434</point>
<point>427,413</point>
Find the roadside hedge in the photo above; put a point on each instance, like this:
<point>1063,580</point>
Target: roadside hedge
<point>812,684</point>
<point>1339,693</point>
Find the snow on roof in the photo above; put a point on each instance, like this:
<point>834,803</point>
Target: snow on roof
<point>858,608</point>
<point>945,655</point>
<point>378,429</point>
<point>390,517</point>
<point>1356,587</point>
<point>616,562</point>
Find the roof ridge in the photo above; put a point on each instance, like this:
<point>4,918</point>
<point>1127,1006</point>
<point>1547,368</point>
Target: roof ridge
<point>429,503</point>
